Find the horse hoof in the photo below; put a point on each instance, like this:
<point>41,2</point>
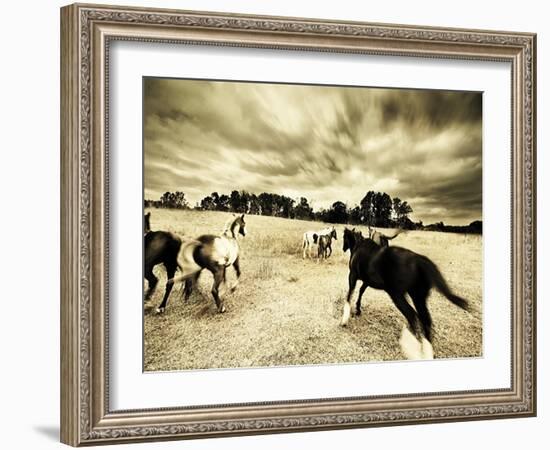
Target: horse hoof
<point>160,310</point>
<point>221,309</point>
<point>427,349</point>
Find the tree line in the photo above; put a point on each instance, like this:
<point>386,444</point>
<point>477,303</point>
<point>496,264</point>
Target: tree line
<point>375,209</point>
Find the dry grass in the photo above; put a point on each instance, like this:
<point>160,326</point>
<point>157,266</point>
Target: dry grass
<point>286,310</point>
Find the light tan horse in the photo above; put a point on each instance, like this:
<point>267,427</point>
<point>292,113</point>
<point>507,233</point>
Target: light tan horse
<point>381,239</point>
<point>213,252</point>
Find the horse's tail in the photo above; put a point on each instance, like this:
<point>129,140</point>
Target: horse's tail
<point>433,274</point>
<point>315,237</point>
<point>186,261</point>
<point>397,233</point>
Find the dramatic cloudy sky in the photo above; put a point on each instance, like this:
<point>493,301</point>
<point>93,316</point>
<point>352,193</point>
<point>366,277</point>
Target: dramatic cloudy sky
<point>323,143</point>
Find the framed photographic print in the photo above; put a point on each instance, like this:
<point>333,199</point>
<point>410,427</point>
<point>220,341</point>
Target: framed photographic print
<point>277,224</point>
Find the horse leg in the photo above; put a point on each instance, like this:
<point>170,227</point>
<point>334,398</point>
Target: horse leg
<point>219,276</point>
<point>408,312</point>
<point>187,272</point>
<point>152,281</point>
<point>329,248</point>
<point>352,280</point>
<point>170,272</point>
<point>427,351</point>
<point>237,267</point>
<point>419,295</point>
<point>358,303</point>
<point>189,285</point>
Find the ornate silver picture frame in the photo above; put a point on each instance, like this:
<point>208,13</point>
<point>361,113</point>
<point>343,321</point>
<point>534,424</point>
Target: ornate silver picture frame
<point>87,33</point>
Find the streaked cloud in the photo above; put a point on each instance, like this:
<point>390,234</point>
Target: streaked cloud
<point>324,143</point>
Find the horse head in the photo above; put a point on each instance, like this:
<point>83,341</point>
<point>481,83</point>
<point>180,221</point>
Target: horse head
<point>333,234</point>
<point>349,239</point>
<point>235,225</point>
<point>242,225</point>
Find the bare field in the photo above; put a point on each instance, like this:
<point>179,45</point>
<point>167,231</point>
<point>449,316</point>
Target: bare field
<point>287,310</point>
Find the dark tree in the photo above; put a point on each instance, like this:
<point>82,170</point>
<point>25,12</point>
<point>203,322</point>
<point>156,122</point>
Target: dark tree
<point>180,201</point>
<point>223,203</point>
<point>244,205</point>
<point>266,203</point>
<point>286,207</point>
<point>254,207</point>
<point>401,210</point>
<point>208,204</point>
<point>404,211</point>
<point>382,207</point>
<point>216,199</point>
<point>367,208</point>
<point>476,226</point>
<point>338,213</point>
<point>355,215</point>
<point>174,200</point>
<point>396,206</point>
<point>303,210</point>
<point>235,201</point>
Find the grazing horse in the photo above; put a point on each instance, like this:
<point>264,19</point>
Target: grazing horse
<point>311,237</point>
<point>397,271</point>
<point>212,252</point>
<point>325,244</point>
<point>381,239</point>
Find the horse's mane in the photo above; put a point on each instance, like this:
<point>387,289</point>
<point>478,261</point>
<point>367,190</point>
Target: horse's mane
<point>229,224</point>
<point>229,227</point>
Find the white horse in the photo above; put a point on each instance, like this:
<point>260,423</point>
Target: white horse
<point>311,237</point>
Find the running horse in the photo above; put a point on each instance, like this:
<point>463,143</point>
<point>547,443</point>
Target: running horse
<point>397,271</point>
<point>213,252</point>
<point>159,247</point>
<point>311,238</point>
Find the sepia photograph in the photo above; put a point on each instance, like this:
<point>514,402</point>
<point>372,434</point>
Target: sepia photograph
<point>295,224</point>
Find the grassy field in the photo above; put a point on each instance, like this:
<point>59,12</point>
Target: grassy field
<point>287,310</point>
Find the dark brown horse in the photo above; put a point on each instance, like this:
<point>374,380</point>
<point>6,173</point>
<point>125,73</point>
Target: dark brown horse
<point>311,238</point>
<point>160,247</point>
<point>213,252</point>
<point>397,271</point>
<point>324,244</point>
